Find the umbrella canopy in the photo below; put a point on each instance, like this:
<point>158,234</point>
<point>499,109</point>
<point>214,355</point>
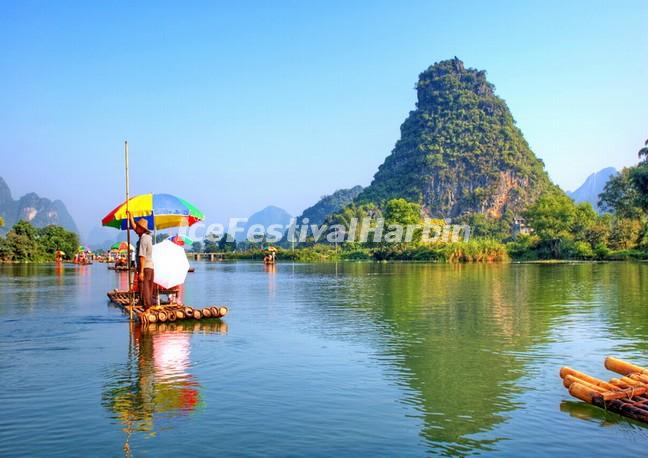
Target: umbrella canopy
<point>181,240</point>
<point>122,246</point>
<point>170,264</point>
<point>83,248</point>
<point>160,210</point>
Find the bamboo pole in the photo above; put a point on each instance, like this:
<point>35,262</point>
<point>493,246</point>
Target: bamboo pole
<point>565,371</point>
<point>128,228</point>
<point>622,367</point>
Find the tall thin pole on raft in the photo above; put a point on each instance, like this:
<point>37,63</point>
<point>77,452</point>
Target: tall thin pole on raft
<point>128,239</point>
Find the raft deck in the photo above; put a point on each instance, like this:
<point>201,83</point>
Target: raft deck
<point>163,313</point>
<point>626,395</point>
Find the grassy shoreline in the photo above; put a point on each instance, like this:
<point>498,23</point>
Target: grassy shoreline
<point>477,251</point>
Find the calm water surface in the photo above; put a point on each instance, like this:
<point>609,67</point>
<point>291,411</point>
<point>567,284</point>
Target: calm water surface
<point>350,359</point>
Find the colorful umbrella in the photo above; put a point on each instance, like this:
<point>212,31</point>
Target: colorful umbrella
<point>121,246</point>
<point>83,248</point>
<point>181,240</point>
<point>162,211</point>
<point>171,264</point>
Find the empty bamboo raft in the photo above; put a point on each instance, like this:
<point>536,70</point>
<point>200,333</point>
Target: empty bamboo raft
<point>626,395</point>
<point>118,268</point>
<point>166,312</point>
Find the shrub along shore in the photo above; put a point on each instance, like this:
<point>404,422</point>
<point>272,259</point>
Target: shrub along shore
<point>25,243</point>
<point>482,251</point>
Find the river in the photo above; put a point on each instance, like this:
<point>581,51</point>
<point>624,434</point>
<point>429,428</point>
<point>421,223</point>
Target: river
<point>347,359</point>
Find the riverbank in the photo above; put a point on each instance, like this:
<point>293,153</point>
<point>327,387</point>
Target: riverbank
<point>474,251</point>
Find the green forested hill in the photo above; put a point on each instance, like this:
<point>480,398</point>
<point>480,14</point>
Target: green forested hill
<point>327,205</point>
<point>460,151</point>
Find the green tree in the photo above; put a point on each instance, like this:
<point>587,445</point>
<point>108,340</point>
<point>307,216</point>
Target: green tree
<point>639,177</point>
<point>226,243</point>
<point>22,244</point>
<point>210,246</point>
<point>400,211</point>
<point>584,218</point>
<point>52,238</point>
<point>552,218</point>
<point>597,234</point>
<point>621,196</point>
<point>625,233</point>
<point>627,193</point>
<point>197,247</point>
<point>643,152</point>
<point>354,214</point>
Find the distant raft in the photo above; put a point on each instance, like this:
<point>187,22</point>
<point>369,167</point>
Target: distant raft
<point>626,395</point>
<point>163,313</point>
<point>118,268</point>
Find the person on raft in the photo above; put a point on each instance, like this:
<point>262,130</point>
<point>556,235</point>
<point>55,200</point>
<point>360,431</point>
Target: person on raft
<point>144,261</point>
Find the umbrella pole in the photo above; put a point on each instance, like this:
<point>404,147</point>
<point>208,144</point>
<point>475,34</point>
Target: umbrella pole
<point>128,228</point>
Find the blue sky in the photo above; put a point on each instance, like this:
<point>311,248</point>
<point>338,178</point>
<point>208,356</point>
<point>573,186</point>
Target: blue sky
<point>238,105</point>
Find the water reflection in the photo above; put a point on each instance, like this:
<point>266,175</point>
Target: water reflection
<point>625,305</point>
<point>460,337</point>
<point>401,359</point>
<point>156,384</point>
<point>590,413</point>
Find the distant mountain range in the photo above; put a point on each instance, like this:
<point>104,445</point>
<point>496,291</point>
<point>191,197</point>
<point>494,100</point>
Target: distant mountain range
<point>37,210</point>
<point>269,215</point>
<point>592,187</point>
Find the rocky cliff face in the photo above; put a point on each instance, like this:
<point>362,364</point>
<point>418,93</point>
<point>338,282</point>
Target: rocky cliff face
<point>39,211</point>
<point>460,151</point>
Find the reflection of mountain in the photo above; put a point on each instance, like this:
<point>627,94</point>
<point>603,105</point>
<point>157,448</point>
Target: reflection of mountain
<point>156,378</point>
<point>455,334</point>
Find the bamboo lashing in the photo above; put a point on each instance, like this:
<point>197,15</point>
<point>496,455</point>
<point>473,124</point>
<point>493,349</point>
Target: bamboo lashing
<point>626,395</point>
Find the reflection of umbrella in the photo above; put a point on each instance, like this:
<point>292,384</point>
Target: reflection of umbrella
<point>170,264</point>
<point>121,246</point>
<point>160,210</point>
<point>271,248</point>
<point>181,240</point>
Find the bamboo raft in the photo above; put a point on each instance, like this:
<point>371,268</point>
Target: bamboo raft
<point>626,395</point>
<point>118,268</point>
<point>163,313</point>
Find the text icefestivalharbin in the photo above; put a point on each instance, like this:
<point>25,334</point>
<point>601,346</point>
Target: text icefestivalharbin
<point>375,230</point>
